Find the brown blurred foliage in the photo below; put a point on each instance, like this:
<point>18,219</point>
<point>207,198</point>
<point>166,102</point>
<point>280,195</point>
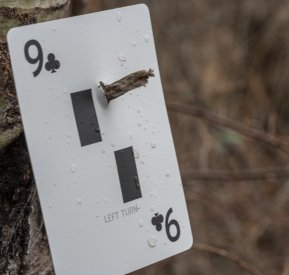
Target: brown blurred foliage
<point>229,59</point>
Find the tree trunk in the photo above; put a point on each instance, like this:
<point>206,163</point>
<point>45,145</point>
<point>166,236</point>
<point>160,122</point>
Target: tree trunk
<point>23,243</point>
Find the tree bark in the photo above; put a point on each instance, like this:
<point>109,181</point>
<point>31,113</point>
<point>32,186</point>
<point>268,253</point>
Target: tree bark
<point>23,243</point>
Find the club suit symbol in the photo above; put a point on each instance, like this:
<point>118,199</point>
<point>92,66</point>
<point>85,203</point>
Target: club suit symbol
<point>157,221</point>
<point>52,64</point>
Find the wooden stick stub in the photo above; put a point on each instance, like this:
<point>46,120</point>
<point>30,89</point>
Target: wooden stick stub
<point>126,84</point>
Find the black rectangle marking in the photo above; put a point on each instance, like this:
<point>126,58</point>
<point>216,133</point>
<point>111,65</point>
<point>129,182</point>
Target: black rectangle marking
<point>127,172</point>
<point>86,118</point>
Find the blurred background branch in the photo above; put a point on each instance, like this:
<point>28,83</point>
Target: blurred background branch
<point>228,255</point>
<point>222,121</point>
<point>271,174</point>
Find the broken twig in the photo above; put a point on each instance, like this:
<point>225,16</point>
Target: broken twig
<point>126,84</point>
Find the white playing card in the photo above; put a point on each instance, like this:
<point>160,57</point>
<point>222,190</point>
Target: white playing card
<point>107,175</point>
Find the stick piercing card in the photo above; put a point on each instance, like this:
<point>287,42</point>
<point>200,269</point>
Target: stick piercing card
<point>106,174</point>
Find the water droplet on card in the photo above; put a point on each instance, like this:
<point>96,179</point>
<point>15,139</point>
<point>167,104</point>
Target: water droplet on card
<point>136,154</point>
<point>133,44</point>
<point>73,168</point>
<point>146,38</point>
<point>152,242</point>
<point>118,17</point>
<point>79,202</point>
<point>153,145</point>
<point>168,174</point>
<point>136,181</point>
<point>122,57</point>
<point>141,223</point>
